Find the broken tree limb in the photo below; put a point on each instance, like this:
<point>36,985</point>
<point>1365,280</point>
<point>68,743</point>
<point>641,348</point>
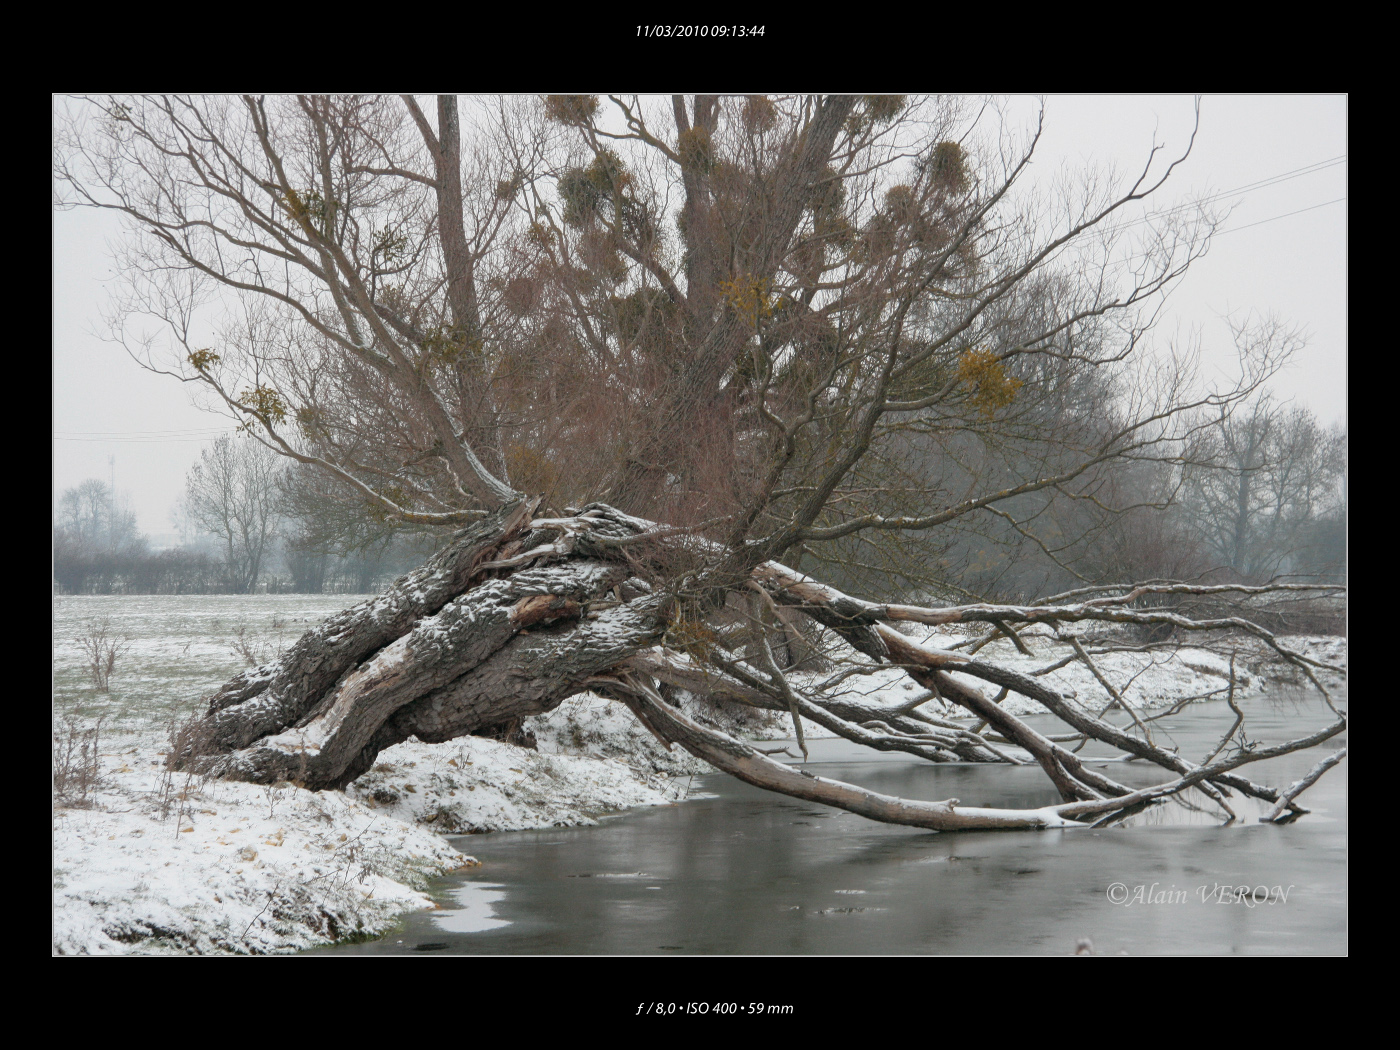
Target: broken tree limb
<point>1299,786</point>
<point>753,767</point>
<point>844,716</point>
<point>853,618</point>
<point>1239,717</point>
<point>775,675</point>
<point>1101,730</point>
<point>1103,681</point>
<point>794,588</point>
<point>1214,771</point>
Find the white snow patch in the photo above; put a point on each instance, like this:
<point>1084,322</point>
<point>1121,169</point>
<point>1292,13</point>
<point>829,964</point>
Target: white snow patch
<point>1147,680</point>
<point>227,868</point>
<point>155,864</point>
<point>474,912</point>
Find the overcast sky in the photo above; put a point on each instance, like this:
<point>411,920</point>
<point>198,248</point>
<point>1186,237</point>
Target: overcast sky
<point>1281,251</point>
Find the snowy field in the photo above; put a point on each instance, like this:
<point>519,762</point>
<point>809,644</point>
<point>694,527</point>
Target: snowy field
<point>150,862</point>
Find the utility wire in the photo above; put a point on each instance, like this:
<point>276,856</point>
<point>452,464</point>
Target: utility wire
<point>141,433</point>
<point>1272,180</point>
<point>1261,222</point>
<point>1311,207</point>
<point>143,436</point>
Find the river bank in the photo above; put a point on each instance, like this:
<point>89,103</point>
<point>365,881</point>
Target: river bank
<point>146,862</point>
<point>154,863</point>
<point>742,871</point>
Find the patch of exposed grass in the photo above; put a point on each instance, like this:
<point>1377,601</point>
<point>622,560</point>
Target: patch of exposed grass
<point>177,648</point>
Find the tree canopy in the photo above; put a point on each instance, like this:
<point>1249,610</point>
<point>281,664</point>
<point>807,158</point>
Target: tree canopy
<point>794,319</point>
<point>673,349</point>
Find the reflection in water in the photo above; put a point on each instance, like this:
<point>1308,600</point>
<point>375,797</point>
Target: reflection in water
<point>473,912</point>
<point>749,872</point>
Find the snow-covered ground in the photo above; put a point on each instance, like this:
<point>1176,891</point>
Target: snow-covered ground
<point>1147,678</point>
<point>156,863</point>
<point>149,862</point>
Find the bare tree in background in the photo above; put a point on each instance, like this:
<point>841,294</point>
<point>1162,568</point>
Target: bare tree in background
<point>331,541</point>
<point>1270,481</point>
<point>232,494</point>
<point>95,538</point>
<point>650,359</point>
<point>94,517</point>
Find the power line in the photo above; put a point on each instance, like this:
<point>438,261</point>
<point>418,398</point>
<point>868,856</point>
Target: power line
<point>1249,187</point>
<point>140,433</point>
<point>1311,207</point>
<point>196,434</point>
<point>1261,222</point>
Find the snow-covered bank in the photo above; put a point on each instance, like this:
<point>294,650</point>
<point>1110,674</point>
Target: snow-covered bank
<point>150,863</point>
<point>1147,677</point>
<point>231,869</point>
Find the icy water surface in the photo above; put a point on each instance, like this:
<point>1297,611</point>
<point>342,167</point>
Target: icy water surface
<point>749,872</point>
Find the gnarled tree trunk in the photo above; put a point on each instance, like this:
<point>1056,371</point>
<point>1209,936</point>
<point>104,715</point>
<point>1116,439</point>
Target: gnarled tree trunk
<point>517,614</point>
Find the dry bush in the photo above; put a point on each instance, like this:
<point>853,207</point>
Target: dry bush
<point>244,646</point>
<point>101,651</point>
<point>76,768</point>
<point>188,737</point>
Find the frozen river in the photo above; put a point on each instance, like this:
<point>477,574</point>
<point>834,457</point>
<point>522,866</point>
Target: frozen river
<point>747,872</point>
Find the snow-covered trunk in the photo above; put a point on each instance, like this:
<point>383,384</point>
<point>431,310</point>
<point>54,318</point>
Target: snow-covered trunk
<point>270,698</point>
<point>517,614</point>
<point>507,621</point>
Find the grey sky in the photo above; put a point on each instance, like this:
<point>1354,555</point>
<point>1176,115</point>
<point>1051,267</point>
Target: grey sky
<point>1282,251</point>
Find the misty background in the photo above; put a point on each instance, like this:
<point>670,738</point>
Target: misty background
<point>150,493</point>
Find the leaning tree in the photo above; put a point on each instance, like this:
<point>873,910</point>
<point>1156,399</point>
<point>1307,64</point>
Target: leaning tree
<point>642,363</point>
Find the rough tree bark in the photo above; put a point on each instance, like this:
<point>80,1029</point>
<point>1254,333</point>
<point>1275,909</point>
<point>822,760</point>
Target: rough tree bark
<point>517,614</point>
<point>860,281</point>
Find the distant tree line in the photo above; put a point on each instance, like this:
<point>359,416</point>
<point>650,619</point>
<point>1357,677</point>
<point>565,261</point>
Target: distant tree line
<point>1259,495</point>
<point>256,528</point>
